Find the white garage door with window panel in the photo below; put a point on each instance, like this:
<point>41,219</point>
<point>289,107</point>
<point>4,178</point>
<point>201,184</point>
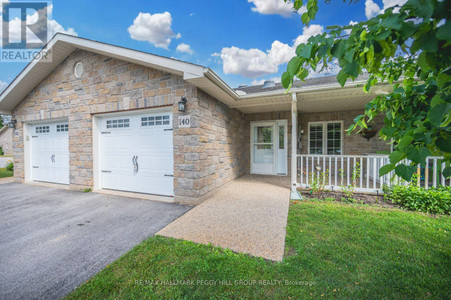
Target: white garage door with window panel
<point>50,152</point>
<point>136,153</point>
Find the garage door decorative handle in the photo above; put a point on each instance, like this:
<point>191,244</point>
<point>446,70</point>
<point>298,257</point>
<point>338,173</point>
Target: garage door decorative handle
<point>135,162</point>
<point>52,158</point>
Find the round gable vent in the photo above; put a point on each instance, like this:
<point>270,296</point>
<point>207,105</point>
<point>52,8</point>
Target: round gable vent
<point>78,69</point>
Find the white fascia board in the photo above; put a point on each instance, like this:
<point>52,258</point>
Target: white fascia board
<point>25,71</point>
<point>302,90</point>
<point>141,58</point>
<point>247,100</point>
<point>187,76</point>
<point>134,56</point>
<point>220,83</point>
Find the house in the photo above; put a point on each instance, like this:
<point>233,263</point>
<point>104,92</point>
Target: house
<point>105,117</point>
<point>6,140</point>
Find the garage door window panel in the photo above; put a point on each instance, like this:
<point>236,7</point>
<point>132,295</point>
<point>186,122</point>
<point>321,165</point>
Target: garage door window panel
<point>62,127</point>
<point>155,120</point>
<point>118,123</point>
<point>42,129</point>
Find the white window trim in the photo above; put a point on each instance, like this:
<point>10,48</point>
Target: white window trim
<point>324,124</point>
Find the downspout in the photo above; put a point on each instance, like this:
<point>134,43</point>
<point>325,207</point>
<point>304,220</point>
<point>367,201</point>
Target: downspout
<point>294,195</point>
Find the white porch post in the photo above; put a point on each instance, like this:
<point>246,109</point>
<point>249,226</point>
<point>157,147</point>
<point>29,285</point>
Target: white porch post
<point>294,195</point>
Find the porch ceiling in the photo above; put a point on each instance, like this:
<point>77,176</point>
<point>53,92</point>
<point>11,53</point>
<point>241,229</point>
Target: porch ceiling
<point>335,100</point>
<point>329,100</point>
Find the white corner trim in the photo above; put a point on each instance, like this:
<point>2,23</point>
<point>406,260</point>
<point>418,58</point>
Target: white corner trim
<point>97,184</point>
<point>27,152</point>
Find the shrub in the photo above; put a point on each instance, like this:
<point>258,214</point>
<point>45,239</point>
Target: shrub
<point>10,166</point>
<point>319,183</point>
<point>349,189</point>
<point>434,200</point>
<point>1,151</point>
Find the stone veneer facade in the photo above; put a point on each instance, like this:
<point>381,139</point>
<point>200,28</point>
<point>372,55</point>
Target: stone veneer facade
<point>214,151</point>
<point>6,140</point>
<point>206,156</point>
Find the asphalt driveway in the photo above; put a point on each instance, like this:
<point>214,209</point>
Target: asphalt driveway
<point>53,240</point>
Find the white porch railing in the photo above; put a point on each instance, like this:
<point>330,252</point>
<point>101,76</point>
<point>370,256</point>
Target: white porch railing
<point>336,171</point>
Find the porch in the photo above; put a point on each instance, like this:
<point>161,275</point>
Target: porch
<point>301,137</point>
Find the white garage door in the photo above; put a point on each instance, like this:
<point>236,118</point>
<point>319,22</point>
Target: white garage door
<point>136,153</point>
<point>50,152</point>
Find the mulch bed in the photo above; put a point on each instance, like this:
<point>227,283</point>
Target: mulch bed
<point>360,198</point>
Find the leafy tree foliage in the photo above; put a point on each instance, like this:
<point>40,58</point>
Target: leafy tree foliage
<point>408,47</point>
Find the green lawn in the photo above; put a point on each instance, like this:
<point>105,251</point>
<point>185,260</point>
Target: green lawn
<point>5,173</point>
<point>332,250</point>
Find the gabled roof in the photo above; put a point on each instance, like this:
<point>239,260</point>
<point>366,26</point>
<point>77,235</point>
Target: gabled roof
<point>63,45</point>
<point>204,78</point>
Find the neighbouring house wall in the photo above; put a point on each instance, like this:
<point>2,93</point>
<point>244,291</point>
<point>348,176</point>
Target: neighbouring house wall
<point>6,140</point>
<point>205,156</point>
<point>353,144</point>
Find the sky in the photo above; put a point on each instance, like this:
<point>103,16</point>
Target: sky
<point>243,41</point>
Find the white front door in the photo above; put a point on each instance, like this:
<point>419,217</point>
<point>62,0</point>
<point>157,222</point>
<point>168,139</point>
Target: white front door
<point>136,153</point>
<point>269,147</point>
<point>50,152</point>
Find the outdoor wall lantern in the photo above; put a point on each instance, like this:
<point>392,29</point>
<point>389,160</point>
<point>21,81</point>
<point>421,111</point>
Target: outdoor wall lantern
<point>182,104</point>
<point>12,124</point>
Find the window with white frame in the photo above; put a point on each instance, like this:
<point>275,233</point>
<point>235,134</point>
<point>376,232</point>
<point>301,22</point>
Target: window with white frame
<point>326,138</point>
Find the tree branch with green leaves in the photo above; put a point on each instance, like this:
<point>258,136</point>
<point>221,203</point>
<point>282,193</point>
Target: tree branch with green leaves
<point>408,47</point>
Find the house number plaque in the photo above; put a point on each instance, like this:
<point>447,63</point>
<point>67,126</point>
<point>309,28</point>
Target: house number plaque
<point>184,121</point>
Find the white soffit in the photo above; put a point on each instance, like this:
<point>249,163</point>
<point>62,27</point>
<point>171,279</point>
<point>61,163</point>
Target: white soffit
<point>333,99</point>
